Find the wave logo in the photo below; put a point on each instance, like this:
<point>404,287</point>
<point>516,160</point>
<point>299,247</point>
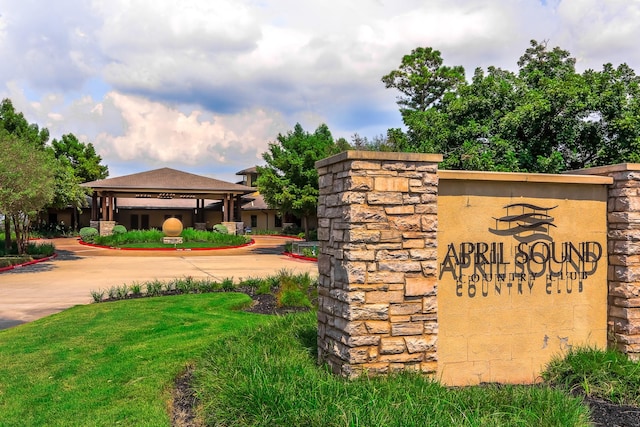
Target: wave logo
<point>529,223</point>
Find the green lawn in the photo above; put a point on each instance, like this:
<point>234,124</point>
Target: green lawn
<point>115,364</point>
<point>109,364</point>
<point>185,245</point>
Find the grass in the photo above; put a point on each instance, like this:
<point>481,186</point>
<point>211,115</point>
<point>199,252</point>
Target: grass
<point>109,364</point>
<point>290,289</point>
<point>153,239</point>
<point>608,375</point>
<point>114,364</point>
<point>267,376</point>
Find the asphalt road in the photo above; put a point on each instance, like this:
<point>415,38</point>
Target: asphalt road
<point>38,290</point>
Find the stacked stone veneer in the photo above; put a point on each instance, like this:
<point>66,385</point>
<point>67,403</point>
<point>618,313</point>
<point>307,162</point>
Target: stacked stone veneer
<point>624,256</point>
<point>377,263</point>
<point>105,228</point>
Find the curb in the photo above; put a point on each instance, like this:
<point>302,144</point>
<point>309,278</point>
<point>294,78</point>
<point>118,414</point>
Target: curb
<point>301,257</point>
<point>35,261</point>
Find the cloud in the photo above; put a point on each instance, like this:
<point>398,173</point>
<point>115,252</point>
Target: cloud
<point>156,134</point>
<point>211,82</point>
<point>50,47</point>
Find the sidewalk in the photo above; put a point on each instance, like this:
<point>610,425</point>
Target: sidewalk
<point>35,291</point>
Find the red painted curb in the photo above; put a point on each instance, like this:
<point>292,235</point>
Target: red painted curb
<point>284,236</point>
<point>166,249</point>
<point>35,261</point>
<point>302,257</point>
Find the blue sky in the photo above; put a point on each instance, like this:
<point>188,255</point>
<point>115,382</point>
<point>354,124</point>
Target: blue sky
<point>205,85</point>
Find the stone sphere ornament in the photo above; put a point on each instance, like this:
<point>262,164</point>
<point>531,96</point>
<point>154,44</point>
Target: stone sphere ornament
<point>172,227</point>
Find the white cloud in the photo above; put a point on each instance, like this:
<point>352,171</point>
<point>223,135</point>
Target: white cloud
<point>155,133</point>
<point>227,75</point>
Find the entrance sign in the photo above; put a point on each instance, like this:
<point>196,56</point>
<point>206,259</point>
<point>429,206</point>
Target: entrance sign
<point>522,273</point>
<point>473,276</point>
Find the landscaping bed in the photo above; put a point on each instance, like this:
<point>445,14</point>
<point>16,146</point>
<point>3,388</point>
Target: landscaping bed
<point>35,252</point>
<point>153,239</point>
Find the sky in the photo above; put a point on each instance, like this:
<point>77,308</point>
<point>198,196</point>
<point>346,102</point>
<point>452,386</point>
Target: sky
<point>204,86</point>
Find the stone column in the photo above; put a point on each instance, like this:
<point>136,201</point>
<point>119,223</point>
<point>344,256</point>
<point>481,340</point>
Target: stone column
<point>624,256</point>
<point>377,224</point>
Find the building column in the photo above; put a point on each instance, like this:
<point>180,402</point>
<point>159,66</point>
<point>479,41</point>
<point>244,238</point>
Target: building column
<point>225,208</point>
<point>238,210</point>
<point>103,208</point>
<point>377,225</point>
<point>623,234</point>
<point>95,210</point>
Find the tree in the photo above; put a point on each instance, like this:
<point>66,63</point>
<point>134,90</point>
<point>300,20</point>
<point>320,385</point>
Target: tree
<point>544,118</point>
<point>14,123</point>
<point>26,183</point>
<point>423,80</point>
<point>289,181</point>
<point>424,84</point>
<point>84,160</point>
<point>77,163</point>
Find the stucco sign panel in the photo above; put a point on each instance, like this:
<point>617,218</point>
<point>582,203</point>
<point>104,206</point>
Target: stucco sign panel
<point>522,276</point>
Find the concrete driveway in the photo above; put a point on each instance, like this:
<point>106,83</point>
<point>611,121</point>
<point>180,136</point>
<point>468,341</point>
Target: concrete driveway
<point>35,291</point>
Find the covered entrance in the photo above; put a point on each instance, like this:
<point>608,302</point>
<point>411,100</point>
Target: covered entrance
<point>150,197</point>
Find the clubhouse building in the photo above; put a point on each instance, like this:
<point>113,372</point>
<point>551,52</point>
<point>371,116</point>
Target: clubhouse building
<point>145,200</point>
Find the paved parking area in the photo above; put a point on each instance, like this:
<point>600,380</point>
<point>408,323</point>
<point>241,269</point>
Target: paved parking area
<point>35,291</point>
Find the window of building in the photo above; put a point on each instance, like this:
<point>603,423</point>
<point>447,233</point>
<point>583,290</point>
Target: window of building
<point>278,221</point>
<point>254,221</point>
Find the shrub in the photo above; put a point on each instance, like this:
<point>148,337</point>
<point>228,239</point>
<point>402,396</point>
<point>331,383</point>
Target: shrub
<point>264,288</point>
<point>14,260</point>
<point>291,293</point>
<point>136,289</point>
<point>291,230</point>
<point>88,234</point>
<point>219,228</point>
<point>97,296</point>
<point>206,286</point>
<point>119,229</point>
<point>40,250</point>
<point>186,285</point>
<point>310,252</point>
<point>154,288</point>
<point>227,284</point>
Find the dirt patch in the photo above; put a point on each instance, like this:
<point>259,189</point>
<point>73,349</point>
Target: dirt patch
<point>607,414</point>
<point>184,402</point>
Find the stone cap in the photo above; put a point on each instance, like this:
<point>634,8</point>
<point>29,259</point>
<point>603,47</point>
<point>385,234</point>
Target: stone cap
<point>523,177</point>
<point>379,155</point>
<point>604,170</point>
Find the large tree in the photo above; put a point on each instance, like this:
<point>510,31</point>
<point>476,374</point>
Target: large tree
<point>544,118</point>
<point>77,163</point>
<point>289,181</point>
<point>14,123</point>
<point>83,159</point>
<point>26,183</point>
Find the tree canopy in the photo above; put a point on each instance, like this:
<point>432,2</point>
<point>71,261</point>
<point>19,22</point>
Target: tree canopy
<point>289,181</point>
<point>544,118</point>
<point>82,158</point>
<point>67,163</point>
<point>26,183</point>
